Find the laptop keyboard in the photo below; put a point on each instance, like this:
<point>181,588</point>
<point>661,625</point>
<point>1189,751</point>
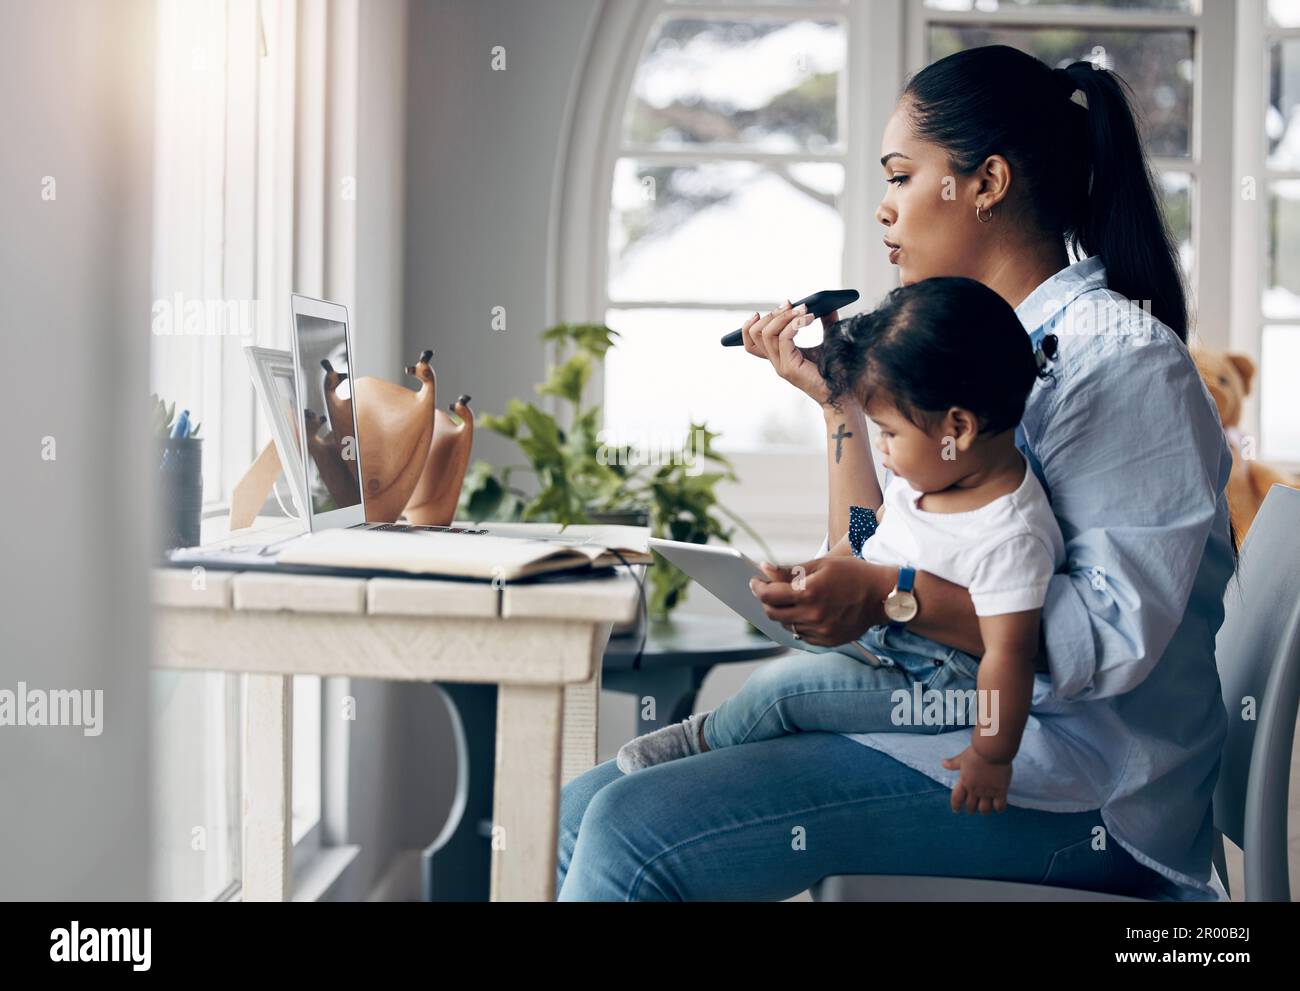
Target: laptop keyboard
<point>413,528</point>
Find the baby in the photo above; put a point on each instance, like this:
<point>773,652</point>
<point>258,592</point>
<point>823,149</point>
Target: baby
<point>943,368</point>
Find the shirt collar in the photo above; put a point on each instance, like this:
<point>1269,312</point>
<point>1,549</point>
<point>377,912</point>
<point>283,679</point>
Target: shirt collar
<point>1045,304</point>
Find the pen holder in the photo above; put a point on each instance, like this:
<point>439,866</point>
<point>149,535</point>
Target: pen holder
<point>180,490</point>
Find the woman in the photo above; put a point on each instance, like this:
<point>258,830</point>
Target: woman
<point>994,164</point>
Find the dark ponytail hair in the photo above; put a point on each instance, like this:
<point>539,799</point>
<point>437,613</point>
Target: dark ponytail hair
<point>932,345</point>
<point>1084,171</point>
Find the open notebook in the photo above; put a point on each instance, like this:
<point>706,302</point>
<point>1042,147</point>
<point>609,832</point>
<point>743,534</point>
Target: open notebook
<point>482,556</point>
<point>617,544</point>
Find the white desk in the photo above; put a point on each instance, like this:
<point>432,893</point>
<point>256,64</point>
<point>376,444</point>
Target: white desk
<point>541,644</point>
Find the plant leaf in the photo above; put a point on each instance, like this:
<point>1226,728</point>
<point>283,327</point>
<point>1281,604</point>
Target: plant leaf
<point>569,379</point>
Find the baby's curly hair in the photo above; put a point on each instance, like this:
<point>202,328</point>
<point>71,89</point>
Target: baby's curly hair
<point>933,345</point>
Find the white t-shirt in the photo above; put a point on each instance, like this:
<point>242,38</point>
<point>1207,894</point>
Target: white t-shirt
<point>1004,553</point>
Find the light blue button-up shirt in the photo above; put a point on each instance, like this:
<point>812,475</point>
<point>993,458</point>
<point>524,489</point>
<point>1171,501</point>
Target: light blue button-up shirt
<point>1128,445</point>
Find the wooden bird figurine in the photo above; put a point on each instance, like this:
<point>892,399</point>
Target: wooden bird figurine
<point>395,428</point>
<point>413,455</point>
<point>433,503</point>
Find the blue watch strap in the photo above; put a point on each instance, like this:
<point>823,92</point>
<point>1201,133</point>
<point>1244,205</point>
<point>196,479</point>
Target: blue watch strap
<point>906,576</point>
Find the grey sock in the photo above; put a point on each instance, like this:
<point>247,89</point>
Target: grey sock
<point>669,743</point>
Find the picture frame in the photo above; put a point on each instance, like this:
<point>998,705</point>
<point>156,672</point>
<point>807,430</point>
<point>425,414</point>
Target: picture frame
<point>272,372</point>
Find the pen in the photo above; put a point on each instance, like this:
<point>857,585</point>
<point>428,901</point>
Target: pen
<point>180,429</point>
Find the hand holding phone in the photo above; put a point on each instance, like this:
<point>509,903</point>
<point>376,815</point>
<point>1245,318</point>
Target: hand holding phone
<point>819,304</point>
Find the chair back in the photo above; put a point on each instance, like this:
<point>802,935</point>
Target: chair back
<point>1258,657</point>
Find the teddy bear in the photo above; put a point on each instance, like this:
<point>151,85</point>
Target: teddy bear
<point>1228,377</point>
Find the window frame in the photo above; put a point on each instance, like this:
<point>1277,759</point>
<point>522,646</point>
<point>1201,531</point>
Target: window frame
<point>774,481</point>
<point>251,114</point>
<point>1250,218</point>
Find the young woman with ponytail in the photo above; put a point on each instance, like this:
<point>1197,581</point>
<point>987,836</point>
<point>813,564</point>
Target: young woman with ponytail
<point>996,167</point>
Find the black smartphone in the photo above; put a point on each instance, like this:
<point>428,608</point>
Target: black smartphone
<point>819,304</point>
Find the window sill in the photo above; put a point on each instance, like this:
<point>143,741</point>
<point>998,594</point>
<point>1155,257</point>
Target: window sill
<point>319,876</point>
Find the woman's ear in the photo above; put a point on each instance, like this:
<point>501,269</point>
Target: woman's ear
<point>995,181</point>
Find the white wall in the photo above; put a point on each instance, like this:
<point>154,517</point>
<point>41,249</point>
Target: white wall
<point>76,105</point>
<point>381,183</point>
<point>482,147</point>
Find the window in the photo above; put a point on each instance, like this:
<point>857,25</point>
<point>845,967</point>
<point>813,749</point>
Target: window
<point>223,256</point>
<point>223,216</point>
<point>196,774</point>
<point>741,170</point>
<point>307,769</point>
<point>728,190</point>
<point>1155,45</point>
<point>1277,319</point>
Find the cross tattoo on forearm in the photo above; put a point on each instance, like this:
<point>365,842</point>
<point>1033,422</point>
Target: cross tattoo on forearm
<point>839,436</point>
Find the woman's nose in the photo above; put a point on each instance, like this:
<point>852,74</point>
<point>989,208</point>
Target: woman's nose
<point>884,216</point>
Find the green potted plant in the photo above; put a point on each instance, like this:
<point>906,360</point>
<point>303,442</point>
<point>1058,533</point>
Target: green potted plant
<point>580,479</point>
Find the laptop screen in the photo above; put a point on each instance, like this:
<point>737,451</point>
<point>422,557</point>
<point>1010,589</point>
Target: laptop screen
<point>325,405</point>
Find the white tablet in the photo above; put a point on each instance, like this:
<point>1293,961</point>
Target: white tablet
<point>726,572</point>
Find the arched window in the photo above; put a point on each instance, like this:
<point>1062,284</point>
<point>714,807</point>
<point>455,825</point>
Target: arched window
<point>725,158</point>
<point>727,195</point>
<point>720,163</point>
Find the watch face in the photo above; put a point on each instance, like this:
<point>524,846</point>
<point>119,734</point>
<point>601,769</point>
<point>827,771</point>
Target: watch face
<point>900,606</point>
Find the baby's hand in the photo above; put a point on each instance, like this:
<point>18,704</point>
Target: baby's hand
<point>983,784</point>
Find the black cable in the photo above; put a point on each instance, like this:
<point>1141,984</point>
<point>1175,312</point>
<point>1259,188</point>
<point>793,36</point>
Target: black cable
<point>645,619</point>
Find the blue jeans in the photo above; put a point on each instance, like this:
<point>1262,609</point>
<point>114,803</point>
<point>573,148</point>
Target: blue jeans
<point>765,821</point>
<point>805,692</point>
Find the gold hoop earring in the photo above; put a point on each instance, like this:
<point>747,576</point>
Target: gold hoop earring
<point>981,219</point>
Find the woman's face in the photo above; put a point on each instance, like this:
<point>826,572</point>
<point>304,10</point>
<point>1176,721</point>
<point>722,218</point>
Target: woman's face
<point>927,211</point>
